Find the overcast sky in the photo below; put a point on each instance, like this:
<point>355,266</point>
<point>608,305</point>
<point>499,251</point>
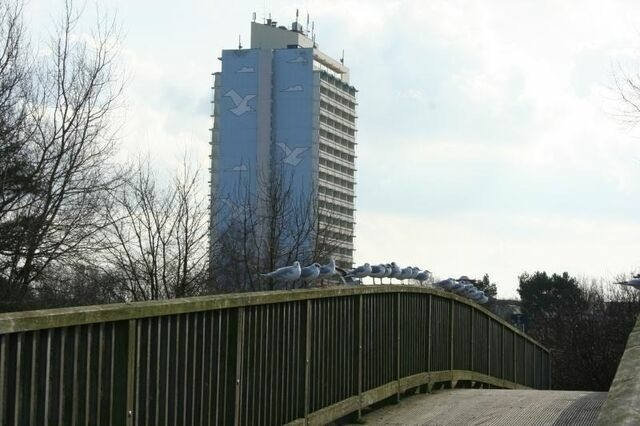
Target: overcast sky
<point>488,135</point>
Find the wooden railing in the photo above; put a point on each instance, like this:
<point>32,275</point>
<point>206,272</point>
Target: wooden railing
<point>303,356</point>
<point>622,406</point>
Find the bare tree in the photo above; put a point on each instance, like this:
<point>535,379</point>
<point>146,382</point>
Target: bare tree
<point>156,238</point>
<point>58,111</point>
<point>266,228</point>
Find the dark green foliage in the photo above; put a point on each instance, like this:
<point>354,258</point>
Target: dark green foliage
<point>585,327</point>
<point>489,288</point>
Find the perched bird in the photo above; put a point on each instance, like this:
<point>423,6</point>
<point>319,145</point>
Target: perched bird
<point>423,276</point>
<point>378,271</point>
<point>633,282</point>
<point>446,284</point>
<point>311,272</point>
<point>361,271</point>
<point>414,272</point>
<point>405,273</point>
<point>463,289</point>
<point>478,295</point>
<point>395,270</point>
<point>286,273</point>
<point>328,270</point>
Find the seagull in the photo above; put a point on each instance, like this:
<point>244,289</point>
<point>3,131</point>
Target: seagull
<point>240,102</point>
<point>633,282</point>
<point>478,295</point>
<point>405,273</point>
<point>423,276</point>
<point>463,289</point>
<point>361,271</point>
<point>414,272</point>
<point>395,270</point>
<point>446,284</point>
<point>378,271</point>
<point>328,270</point>
<point>286,273</point>
<point>311,272</point>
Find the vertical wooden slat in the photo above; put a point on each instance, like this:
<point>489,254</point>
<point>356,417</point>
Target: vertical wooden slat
<point>504,355</point>
<point>359,359</point>
<point>33,403</point>
<point>63,338</point>
<point>47,384</point>
<point>88,391</point>
<point>184,371</point>
<point>451,348</point>
<point>398,344</point>
<point>429,336</point>
<point>147,375</point>
<point>238,377</point>
<point>17,397</point>
<point>131,363</point>
<point>488,346</point>
<point>473,338</point>
<point>99,389</point>
<point>167,375</point>
<point>307,357</point>
<point>3,377</point>
<point>137,371</point>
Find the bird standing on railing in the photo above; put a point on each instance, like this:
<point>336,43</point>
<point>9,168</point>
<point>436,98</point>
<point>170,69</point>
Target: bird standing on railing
<point>378,271</point>
<point>633,282</point>
<point>310,273</point>
<point>423,276</point>
<point>286,273</point>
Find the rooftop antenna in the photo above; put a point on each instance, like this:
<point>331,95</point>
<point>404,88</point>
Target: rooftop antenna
<point>342,58</point>
<point>239,42</point>
<point>254,17</point>
<point>313,34</point>
<point>307,27</point>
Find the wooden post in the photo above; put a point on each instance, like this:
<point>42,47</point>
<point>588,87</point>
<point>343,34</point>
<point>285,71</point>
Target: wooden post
<point>239,353</point>
<point>131,367</point>
<point>307,360</point>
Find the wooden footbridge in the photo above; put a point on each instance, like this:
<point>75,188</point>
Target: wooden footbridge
<point>299,357</point>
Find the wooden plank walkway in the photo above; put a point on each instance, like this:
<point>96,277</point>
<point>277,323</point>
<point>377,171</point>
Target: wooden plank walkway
<point>492,407</point>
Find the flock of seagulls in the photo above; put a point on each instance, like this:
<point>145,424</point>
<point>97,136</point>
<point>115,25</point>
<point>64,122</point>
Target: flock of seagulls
<point>463,286</point>
<point>633,282</point>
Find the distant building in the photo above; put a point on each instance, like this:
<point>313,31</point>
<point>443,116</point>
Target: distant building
<point>283,106</point>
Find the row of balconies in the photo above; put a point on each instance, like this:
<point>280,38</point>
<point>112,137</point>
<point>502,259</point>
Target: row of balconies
<point>336,180</point>
<point>329,135</point>
<point>338,83</point>
<point>347,171</point>
<point>338,153</point>
<point>330,92</point>
<point>324,118</point>
<point>336,221</point>
<point>334,208</point>
<point>338,112</point>
<point>325,190</point>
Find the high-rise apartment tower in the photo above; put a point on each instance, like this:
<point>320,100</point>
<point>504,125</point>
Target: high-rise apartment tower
<point>284,105</point>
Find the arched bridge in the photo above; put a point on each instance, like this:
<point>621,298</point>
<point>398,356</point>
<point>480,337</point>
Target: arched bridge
<point>302,357</point>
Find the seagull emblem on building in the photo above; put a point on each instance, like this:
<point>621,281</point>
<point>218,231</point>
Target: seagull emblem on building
<point>240,102</point>
<point>300,59</point>
<point>291,156</point>
<point>244,70</point>
<point>238,168</point>
<point>294,88</point>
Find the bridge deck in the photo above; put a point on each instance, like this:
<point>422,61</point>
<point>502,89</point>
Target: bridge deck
<point>492,407</point>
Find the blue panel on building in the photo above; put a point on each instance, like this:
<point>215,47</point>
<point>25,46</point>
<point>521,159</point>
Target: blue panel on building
<point>292,116</point>
<point>237,121</point>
